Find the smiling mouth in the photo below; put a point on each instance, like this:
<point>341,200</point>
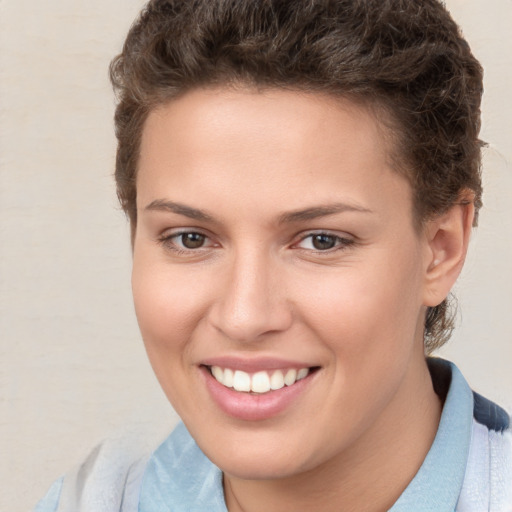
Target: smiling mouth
<point>259,382</point>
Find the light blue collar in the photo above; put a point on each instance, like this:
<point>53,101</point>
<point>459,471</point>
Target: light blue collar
<point>179,478</point>
<point>437,485</point>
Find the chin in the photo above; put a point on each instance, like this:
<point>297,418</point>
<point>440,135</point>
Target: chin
<point>265,468</point>
<point>252,457</point>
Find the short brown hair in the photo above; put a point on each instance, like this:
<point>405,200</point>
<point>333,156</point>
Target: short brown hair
<point>407,57</point>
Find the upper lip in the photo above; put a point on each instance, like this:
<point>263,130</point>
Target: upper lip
<point>255,364</point>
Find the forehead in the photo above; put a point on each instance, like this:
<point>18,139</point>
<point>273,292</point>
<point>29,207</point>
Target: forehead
<point>294,113</point>
<point>274,144</point>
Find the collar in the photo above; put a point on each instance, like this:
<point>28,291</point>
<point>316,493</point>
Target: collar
<point>180,478</point>
<point>436,486</point>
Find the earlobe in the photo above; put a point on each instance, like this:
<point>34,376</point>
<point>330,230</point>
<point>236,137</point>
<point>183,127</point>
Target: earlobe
<point>447,239</point>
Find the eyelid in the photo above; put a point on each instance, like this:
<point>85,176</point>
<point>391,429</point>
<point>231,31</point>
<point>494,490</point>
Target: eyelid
<point>343,241</point>
<point>168,237</point>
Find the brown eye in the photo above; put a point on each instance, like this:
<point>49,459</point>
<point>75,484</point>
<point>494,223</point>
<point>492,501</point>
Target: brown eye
<point>322,242</point>
<point>192,240</point>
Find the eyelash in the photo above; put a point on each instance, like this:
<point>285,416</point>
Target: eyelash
<point>168,241</point>
<point>341,243</point>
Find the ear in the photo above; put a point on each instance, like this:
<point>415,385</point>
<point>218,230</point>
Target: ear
<point>447,245</point>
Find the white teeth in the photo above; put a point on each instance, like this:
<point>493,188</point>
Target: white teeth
<point>242,381</point>
<point>277,380</point>
<point>259,382</point>
<point>290,377</point>
<point>228,378</point>
<point>218,374</point>
<point>303,372</point>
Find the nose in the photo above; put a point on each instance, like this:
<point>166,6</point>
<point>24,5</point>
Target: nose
<point>251,301</point>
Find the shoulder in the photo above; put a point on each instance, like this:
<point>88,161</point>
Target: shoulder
<point>116,477</point>
<point>488,478</point>
<point>487,451</point>
<point>108,480</point>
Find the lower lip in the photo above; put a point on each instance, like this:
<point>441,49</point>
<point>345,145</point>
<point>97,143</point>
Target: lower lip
<point>254,406</point>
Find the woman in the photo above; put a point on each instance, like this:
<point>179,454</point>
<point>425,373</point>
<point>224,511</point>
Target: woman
<point>301,180</point>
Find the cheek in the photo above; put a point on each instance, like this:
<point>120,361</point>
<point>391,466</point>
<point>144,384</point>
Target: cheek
<point>168,309</point>
<point>168,304</point>
<point>374,306</point>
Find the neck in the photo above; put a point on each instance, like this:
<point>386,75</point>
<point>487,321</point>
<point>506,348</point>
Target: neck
<point>370,476</point>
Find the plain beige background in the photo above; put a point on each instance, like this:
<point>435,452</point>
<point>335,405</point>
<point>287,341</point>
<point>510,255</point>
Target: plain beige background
<point>73,370</point>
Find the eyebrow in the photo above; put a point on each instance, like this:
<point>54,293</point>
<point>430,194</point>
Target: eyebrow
<point>180,209</point>
<point>320,211</point>
<point>314,212</point>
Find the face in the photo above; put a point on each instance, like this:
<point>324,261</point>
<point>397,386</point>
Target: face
<point>277,277</point>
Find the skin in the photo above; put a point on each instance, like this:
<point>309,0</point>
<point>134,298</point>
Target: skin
<point>258,287</point>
